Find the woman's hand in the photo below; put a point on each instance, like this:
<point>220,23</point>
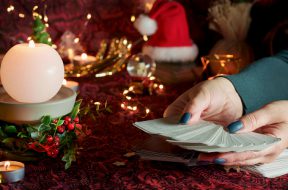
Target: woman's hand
<point>272,120</point>
<point>213,100</point>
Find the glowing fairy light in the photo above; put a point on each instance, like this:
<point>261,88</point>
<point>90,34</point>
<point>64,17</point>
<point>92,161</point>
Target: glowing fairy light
<point>10,8</point>
<point>125,92</point>
<point>125,42</point>
<point>49,40</point>
<point>134,108</point>
<point>129,46</point>
<point>147,111</point>
<point>122,105</point>
<point>21,15</point>
<point>54,46</point>
<point>89,16</point>
<point>152,78</point>
<point>29,38</point>
<point>46,18</point>
<point>47,25</point>
<point>128,98</point>
<point>35,8</point>
<point>145,38</point>
<point>133,18</point>
<point>97,103</point>
<point>161,86</point>
<point>76,40</point>
<point>131,88</point>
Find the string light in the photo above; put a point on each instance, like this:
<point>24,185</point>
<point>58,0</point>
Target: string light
<point>89,16</point>
<point>130,101</point>
<point>76,40</point>
<point>46,18</point>
<point>133,18</point>
<point>10,8</point>
<point>21,15</point>
<point>145,38</point>
<point>35,8</point>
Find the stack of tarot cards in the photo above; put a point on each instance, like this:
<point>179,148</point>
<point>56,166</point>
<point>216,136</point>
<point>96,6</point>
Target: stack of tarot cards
<point>205,136</point>
<point>173,142</point>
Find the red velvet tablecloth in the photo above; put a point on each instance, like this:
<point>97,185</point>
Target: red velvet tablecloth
<point>112,136</point>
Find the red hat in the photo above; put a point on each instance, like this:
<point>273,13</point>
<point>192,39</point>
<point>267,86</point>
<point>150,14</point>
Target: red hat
<point>169,33</point>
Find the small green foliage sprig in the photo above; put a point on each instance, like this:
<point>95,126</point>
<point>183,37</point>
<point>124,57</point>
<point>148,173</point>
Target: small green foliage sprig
<point>40,35</point>
<point>50,137</point>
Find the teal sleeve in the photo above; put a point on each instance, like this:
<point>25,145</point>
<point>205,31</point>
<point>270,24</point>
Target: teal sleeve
<point>262,82</point>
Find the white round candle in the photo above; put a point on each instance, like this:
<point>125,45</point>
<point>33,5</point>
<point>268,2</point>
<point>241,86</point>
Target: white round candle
<point>32,73</point>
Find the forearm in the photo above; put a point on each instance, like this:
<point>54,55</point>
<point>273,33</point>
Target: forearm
<point>262,82</point>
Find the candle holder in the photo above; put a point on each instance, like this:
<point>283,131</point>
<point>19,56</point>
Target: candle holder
<point>220,64</point>
<point>11,171</point>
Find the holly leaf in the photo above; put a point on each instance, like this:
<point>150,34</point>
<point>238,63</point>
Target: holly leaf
<point>2,134</point>
<point>9,142</point>
<point>46,120</point>
<point>69,156</point>
<point>59,122</point>
<point>10,129</point>
<point>22,135</point>
<point>43,128</point>
<point>75,109</point>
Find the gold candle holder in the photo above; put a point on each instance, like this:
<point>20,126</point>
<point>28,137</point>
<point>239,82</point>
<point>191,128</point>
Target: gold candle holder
<point>221,64</point>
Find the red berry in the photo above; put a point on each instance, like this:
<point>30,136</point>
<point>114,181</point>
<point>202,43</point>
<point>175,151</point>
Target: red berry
<point>79,126</point>
<point>49,153</point>
<point>66,122</point>
<point>68,119</point>
<point>55,121</point>
<point>57,138</point>
<point>56,143</point>
<point>76,120</point>
<point>70,126</point>
<point>49,139</point>
<point>55,152</point>
<point>61,129</point>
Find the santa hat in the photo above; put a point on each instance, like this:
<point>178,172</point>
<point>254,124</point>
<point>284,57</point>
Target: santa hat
<point>167,27</point>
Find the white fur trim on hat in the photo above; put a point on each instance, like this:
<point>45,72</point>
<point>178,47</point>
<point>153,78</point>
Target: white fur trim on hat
<point>145,25</point>
<point>172,54</point>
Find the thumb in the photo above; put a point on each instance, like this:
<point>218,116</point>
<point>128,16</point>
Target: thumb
<point>267,115</point>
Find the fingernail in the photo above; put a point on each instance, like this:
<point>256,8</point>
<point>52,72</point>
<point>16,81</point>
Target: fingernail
<point>235,126</point>
<point>202,163</point>
<point>219,161</point>
<point>185,118</point>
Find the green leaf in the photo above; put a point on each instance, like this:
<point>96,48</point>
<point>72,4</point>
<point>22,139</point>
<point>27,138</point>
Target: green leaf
<point>2,134</point>
<point>9,142</point>
<point>69,156</point>
<point>42,138</point>
<point>60,122</point>
<point>10,129</point>
<point>22,135</point>
<point>44,128</point>
<point>46,120</point>
<point>75,109</point>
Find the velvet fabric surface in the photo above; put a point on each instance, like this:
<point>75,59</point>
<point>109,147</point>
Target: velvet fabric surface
<point>113,135</point>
